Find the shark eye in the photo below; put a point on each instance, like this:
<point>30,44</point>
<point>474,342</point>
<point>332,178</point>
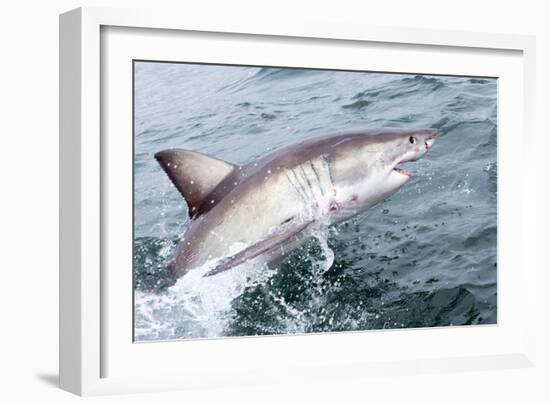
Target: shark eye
<point>412,140</point>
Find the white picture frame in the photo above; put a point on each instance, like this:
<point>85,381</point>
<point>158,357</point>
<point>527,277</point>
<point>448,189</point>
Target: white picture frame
<point>87,342</point>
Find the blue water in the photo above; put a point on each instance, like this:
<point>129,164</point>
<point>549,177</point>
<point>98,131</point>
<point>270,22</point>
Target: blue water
<point>425,257</point>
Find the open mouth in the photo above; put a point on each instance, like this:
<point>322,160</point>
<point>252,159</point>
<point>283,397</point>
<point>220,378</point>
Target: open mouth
<point>403,171</point>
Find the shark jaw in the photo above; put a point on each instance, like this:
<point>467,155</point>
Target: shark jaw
<point>403,172</point>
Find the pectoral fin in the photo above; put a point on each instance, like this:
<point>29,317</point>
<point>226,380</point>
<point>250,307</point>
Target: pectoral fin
<point>278,239</point>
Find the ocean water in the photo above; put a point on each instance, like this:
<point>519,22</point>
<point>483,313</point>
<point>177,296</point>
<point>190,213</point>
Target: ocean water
<point>425,257</point>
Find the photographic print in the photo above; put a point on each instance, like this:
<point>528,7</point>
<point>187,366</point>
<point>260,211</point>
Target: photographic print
<point>277,201</point>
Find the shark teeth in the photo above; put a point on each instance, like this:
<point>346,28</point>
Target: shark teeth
<point>403,171</point>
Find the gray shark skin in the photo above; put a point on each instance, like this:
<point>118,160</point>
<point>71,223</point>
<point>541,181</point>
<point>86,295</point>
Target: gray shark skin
<point>265,207</point>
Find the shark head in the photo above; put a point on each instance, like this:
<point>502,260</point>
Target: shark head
<point>365,166</point>
<point>403,146</point>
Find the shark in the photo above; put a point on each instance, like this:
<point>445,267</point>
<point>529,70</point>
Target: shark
<point>266,207</point>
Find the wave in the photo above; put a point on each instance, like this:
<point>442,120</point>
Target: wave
<point>263,75</point>
<point>357,105</point>
<point>429,82</point>
<point>400,88</point>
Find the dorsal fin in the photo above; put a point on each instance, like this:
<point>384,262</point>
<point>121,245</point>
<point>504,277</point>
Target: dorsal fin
<point>195,175</point>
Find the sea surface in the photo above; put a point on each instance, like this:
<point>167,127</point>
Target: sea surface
<point>425,257</point>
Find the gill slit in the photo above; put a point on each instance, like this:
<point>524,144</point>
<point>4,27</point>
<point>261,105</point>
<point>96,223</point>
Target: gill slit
<point>324,157</point>
<point>302,187</point>
<point>309,185</point>
<point>317,176</point>
<point>294,185</point>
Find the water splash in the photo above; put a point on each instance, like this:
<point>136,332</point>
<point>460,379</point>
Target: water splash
<point>197,306</point>
<point>299,317</point>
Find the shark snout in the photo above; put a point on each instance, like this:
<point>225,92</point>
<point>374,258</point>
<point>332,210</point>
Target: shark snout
<point>429,141</point>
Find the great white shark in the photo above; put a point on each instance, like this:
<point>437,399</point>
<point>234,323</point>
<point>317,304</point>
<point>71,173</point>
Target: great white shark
<point>265,207</point>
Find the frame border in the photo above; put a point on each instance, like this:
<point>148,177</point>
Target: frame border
<point>80,163</point>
